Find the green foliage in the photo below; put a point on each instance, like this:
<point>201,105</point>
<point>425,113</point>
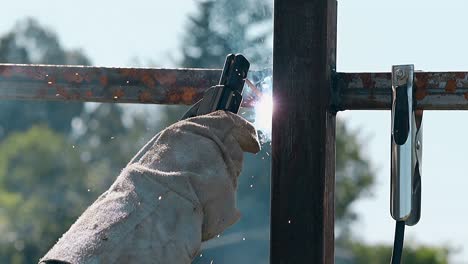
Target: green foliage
<point>50,172</point>
<point>106,144</point>
<point>354,176</point>
<point>381,254</point>
<point>42,191</point>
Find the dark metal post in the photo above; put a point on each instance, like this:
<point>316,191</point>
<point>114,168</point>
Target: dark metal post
<point>303,143</point>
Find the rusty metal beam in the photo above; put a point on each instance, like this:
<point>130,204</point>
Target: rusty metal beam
<point>353,91</point>
<point>99,84</point>
<point>372,91</point>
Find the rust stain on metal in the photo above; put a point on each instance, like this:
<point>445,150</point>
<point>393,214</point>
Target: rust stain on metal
<point>132,73</point>
<point>166,78</point>
<point>145,97</point>
<point>5,72</point>
<point>119,93</point>
<point>62,92</point>
<point>173,97</point>
<point>188,95</point>
<point>99,84</point>
<point>49,79</point>
<point>73,77</point>
<point>465,95</point>
<point>148,80</point>
<point>367,81</point>
<point>451,86</point>
<point>89,76</point>
<point>421,80</point>
<point>420,93</point>
<point>460,75</point>
<point>104,80</point>
<point>75,96</point>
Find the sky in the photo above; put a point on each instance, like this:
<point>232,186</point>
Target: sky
<point>373,35</point>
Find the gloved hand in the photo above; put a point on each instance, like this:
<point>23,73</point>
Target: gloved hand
<point>177,191</point>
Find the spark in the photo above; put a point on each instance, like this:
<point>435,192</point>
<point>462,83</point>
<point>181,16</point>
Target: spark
<point>253,88</point>
<point>263,107</point>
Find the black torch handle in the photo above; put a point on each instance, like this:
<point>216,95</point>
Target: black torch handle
<point>227,95</point>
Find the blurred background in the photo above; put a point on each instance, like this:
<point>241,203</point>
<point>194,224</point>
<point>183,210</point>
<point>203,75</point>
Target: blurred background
<point>57,158</point>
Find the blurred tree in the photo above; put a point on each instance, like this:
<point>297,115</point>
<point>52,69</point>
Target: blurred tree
<point>30,42</point>
<point>50,173</point>
<point>225,26</point>
<point>354,177</point>
<point>42,191</point>
<point>106,144</point>
<point>381,254</point>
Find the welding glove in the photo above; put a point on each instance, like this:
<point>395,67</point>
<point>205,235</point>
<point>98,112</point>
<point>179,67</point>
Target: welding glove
<point>178,191</point>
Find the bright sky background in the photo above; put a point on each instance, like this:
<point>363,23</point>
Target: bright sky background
<point>373,35</point>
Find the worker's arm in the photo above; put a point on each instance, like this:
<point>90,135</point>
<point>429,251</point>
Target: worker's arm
<point>178,191</point>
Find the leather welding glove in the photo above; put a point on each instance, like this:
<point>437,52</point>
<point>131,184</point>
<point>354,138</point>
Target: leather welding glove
<point>178,191</point>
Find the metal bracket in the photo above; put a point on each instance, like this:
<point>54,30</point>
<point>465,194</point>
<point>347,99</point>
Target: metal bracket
<point>406,148</point>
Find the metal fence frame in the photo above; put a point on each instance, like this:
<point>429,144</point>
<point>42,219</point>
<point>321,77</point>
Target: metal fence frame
<point>308,92</point>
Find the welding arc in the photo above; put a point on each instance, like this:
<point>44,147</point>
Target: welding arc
<point>253,87</point>
<point>398,242</point>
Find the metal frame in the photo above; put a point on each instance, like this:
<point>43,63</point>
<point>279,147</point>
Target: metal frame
<point>303,132</point>
<point>307,93</point>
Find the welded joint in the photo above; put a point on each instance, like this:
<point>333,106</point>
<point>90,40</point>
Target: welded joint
<point>335,92</point>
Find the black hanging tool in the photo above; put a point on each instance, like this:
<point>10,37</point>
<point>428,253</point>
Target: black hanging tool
<point>227,95</point>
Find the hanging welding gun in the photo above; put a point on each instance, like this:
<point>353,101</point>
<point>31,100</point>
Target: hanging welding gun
<point>406,155</point>
<point>227,95</point>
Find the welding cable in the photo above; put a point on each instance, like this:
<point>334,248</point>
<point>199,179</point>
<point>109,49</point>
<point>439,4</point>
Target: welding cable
<point>398,242</point>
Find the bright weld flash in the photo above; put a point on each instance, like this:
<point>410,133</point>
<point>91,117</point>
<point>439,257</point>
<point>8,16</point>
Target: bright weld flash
<point>263,107</point>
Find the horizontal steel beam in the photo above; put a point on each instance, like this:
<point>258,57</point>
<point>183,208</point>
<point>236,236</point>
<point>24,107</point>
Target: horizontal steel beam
<point>372,91</point>
<point>99,84</point>
<point>352,91</point>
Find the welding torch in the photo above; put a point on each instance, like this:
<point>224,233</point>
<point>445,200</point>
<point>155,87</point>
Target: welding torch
<point>227,95</point>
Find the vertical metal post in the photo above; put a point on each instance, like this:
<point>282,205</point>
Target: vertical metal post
<point>303,142</point>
